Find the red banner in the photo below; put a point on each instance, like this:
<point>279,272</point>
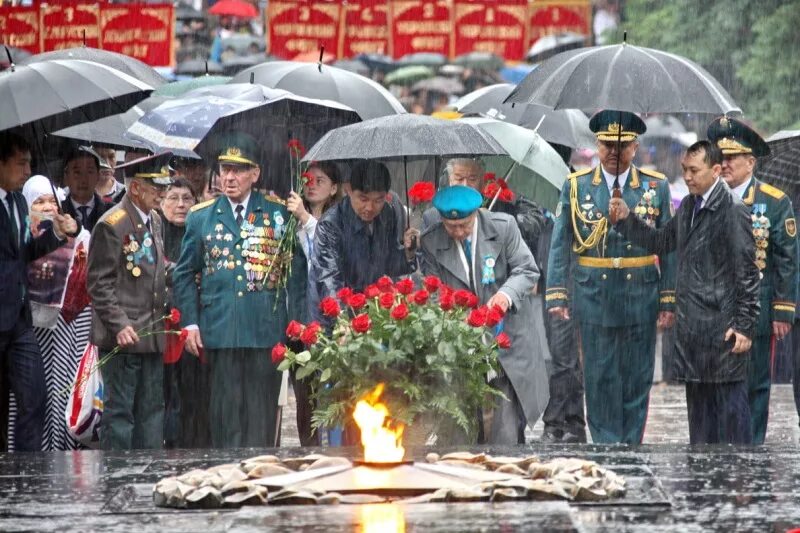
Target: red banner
<point>365,28</point>
<point>491,26</point>
<point>303,26</point>
<point>559,16</point>
<point>421,26</point>
<point>143,31</point>
<point>68,25</point>
<point>19,27</point>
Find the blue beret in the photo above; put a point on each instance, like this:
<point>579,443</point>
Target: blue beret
<point>457,201</point>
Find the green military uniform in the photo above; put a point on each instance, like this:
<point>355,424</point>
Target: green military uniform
<point>242,304</point>
<point>618,287</point>
<point>775,232</point>
<point>127,282</point>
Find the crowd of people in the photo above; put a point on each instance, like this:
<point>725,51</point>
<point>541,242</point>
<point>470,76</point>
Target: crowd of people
<point>591,283</point>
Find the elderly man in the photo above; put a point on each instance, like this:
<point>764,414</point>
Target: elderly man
<point>484,252</point>
<point>717,295</point>
<point>775,233</point>
<point>81,175</point>
<point>20,359</point>
<point>621,292</point>
<point>127,282</point>
<point>244,300</point>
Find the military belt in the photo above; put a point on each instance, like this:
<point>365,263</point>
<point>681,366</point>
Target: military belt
<point>617,262</point>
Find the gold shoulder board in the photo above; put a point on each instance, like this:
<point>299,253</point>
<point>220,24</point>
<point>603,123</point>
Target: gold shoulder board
<point>652,173</point>
<point>202,205</point>
<point>581,172</point>
<point>115,217</point>
<point>274,199</point>
<point>771,191</point>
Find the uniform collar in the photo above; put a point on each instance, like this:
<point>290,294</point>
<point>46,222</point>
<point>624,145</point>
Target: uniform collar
<point>243,202</point>
<point>609,177</point>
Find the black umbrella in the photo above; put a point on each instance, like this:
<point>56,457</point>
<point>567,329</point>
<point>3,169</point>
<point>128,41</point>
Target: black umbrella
<point>568,127</point>
<point>198,67</point>
<point>625,78</point>
<point>130,66</point>
<point>368,98</point>
<point>380,62</point>
<point>782,167</point>
<point>550,45</point>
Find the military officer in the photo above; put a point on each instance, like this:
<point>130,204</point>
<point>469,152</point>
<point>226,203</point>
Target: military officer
<point>621,293</point>
<point>127,282</point>
<point>247,293</point>
<point>775,231</point>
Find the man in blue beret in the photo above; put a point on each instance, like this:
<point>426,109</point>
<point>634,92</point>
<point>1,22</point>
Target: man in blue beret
<point>483,252</point>
<point>621,291</point>
<point>775,233</point>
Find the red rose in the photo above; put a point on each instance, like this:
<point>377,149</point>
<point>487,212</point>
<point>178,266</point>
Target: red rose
<point>174,316</point>
<point>329,307</point>
<point>386,300</point>
<point>294,330</point>
<point>477,318</point>
<point>400,312</point>
<point>308,179</point>
<point>361,323</point>
<point>507,196</point>
<point>278,353</point>
<point>446,301</point>
<point>462,297</point>
<point>494,316</point>
<point>385,284</point>
<point>503,341</point>
<point>357,301</point>
<point>489,176</point>
<point>344,295</point>
<point>420,297</point>
<point>502,183</point>
<point>432,283</point>
<point>473,301</point>
<point>491,189</point>
<point>421,192</point>
<point>309,336</point>
<point>405,286</point>
<point>372,291</point>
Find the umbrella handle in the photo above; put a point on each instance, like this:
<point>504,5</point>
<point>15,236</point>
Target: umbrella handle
<point>321,53</point>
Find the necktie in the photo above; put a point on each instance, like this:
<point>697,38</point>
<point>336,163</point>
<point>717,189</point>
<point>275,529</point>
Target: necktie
<point>468,255</point>
<point>698,205</point>
<point>84,211</point>
<point>13,218</point>
<point>147,224</point>
<point>239,217</point>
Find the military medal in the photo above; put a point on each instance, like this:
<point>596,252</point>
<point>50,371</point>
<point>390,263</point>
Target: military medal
<point>135,253</point>
<point>487,272</point>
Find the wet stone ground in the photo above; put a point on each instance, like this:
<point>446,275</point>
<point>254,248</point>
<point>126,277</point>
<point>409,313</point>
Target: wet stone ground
<point>673,487</point>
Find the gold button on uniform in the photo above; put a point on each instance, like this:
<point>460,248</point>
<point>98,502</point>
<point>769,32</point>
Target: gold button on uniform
<point>239,278</point>
<point>240,294</point>
<point>604,276</point>
<point>628,276</point>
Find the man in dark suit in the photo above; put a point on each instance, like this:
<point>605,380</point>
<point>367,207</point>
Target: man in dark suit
<point>717,295</point>
<point>22,370</point>
<point>81,174</point>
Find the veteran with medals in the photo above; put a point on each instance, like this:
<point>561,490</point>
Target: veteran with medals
<point>247,292</point>
<point>621,292</point>
<point>775,233</point>
<point>127,283</point>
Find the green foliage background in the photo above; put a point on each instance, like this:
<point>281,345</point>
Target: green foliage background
<point>751,47</point>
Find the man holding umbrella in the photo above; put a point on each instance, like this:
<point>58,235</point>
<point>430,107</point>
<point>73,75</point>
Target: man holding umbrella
<point>621,291</point>
<point>775,233</point>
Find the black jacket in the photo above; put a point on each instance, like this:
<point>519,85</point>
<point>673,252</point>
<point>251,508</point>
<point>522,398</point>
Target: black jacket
<point>99,209</point>
<point>717,282</point>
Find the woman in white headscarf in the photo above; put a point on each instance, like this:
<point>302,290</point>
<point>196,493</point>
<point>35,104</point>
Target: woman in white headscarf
<point>60,309</point>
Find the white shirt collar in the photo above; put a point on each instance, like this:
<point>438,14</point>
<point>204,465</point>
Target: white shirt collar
<point>243,202</point>
<point>742,187</point>
<point>144,216</point>
<point>707,194</point>
<point>463,256</point>
<point>623,178</point>
<point>89,204</point>
<point>3,194</point>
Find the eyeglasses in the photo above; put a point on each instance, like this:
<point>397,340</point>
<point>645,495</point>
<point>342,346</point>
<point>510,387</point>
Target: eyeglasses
<point>175,198</point>
<point>238,170</point>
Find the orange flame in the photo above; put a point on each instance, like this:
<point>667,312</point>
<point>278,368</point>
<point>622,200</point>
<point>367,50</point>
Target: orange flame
<point>382,442</point>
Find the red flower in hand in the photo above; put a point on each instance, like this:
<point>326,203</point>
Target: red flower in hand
<point>490,190</point>
<point>477,318</point>
<point>361,323</point>
<point>502,183</point>
<point>386,300</point>
<point>174,316</point>
<point>462,297</point>
<point>420,297</point>
<point>309,335</point>
<point>494,316</point>
<point>344,295</point>
<point>503,341</point>
<point>308,179</point>
<point>357,301</point>
<point>400,312</point>
<point>489,176</point>
<point>421,192</point>
<point>507,196</point>
<point>278,353</point>
<point>296,148</point>
<point>432,283</point>
<point>385,284</point>
<point>294,330</point>
<point>405,286</point>
<point>372,291</point>
<point>329,307</point>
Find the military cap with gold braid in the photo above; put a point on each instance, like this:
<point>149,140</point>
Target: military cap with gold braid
<point>239,149</point>
<point>610,125</point>
<point>734,137</point>
<point>154,168</point>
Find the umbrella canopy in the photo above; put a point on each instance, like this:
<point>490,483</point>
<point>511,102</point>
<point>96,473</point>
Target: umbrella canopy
<point>625,78</point>
<point>380,62</point>
<point>532,168</point>
<point>663,126</point>
<point>782,167</point>
<point>242,43</point>
<point>233,66</point>
<point>178,88</point>
<point>313,56</point>
<point>352,65</point>
<point>17,56</point>
<point>428,59</point>
<point>408,75</point>
<point>569,127</point>
<point>482,60</point>
<point>187,12</point>
<point>550,45</point>
<point>51,95</point>
<point>439,84</point>
<point>368,98</point>
<point>198,67</point>
<point>516,73</point>
<point>129,65</point>
<point>234,8</point>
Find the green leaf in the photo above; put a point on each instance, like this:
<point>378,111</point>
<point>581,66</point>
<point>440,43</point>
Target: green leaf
<point>284,365</point>
<point>326,375</point>
<point>303,357</point>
